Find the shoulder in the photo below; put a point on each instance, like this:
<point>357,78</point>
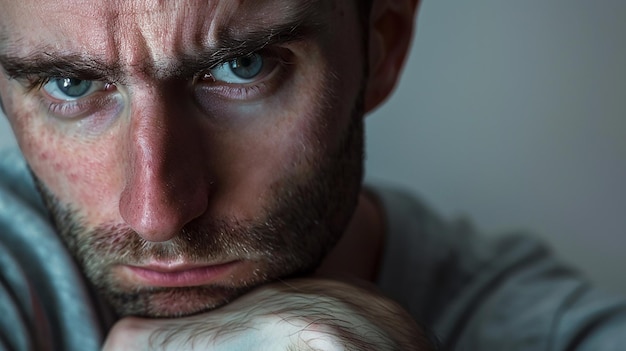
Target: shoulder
<point>16,181</point>
<point>45,302</point>
<point>482,292</point>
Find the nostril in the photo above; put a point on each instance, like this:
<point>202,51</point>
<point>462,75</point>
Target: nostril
<point>161,214</point>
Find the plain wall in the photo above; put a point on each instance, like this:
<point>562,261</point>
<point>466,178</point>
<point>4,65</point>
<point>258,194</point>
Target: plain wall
<point>514,113</point>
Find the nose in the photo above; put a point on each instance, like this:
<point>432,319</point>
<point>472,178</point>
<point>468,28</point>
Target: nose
<point>166,183</point>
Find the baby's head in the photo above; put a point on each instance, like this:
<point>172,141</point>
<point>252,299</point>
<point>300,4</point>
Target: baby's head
<point>331,315</point>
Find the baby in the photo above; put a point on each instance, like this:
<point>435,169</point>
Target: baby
<point>289,315</point>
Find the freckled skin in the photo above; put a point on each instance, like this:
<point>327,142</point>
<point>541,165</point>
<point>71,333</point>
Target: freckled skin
<point>162,165</point>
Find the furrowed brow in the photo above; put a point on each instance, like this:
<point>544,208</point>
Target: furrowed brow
<point>233,44</point>
<point>43,64</point>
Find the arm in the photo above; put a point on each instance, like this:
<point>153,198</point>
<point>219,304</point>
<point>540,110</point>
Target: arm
<point>306,314</point>
<point>22,322</point>
<point>492,293</point>
<point>44,301</point>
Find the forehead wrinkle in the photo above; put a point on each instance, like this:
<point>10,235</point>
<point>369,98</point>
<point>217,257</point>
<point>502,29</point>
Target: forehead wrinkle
<point>146,36</point>
<point>266,22</point>
<point>259,14</point>
<point>151,36</point>
<point>166,32</point>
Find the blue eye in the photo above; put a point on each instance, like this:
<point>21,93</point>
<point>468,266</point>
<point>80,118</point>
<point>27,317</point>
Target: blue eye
<point>73,87</point>
<point>70,89</point>
<point>247,67</point>
<point>240,70</point>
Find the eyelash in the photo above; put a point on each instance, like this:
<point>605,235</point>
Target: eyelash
<point>70,109</point>
<point>279,61</point>
<point>36,83</point>
<point>73,108</point>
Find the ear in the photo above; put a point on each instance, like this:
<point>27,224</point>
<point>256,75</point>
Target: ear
<point>390,33</point>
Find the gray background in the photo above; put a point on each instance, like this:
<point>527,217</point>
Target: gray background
<point>513,113</point>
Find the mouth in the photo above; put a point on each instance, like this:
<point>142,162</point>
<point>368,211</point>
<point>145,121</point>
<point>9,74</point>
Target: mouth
<point>172,275</point>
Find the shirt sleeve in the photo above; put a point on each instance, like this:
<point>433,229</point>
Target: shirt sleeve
<point>45,303</point>
<point>488,293</point>
<point>22,326</point>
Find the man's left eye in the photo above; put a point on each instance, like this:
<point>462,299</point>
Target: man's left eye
<point>70,89</point>
<point>241,70</point>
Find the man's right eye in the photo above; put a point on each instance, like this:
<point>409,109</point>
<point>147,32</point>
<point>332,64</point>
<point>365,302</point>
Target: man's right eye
<point>70,89</point>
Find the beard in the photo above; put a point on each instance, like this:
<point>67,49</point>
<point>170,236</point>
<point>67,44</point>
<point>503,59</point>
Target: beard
<point>293,233</point>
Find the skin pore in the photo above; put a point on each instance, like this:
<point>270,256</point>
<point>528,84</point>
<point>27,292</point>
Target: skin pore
<point>168,160</point>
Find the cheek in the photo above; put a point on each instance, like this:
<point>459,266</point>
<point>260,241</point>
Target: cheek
<point>84,176</point>
<point>77,172</point>
<point>247,161</point>
<point>65,169</point>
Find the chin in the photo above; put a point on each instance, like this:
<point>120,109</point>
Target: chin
<point>172,302</point>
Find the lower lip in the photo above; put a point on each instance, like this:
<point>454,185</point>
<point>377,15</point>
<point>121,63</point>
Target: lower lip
<point>183,278</point>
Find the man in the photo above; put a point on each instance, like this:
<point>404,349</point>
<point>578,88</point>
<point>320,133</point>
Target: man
<point>188,152</point>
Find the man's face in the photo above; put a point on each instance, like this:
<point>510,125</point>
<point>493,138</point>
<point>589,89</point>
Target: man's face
<point>188,150</point>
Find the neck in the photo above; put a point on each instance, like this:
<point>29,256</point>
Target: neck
<point>358,252</point>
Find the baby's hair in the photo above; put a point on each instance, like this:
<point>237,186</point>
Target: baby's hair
<point>396,328</point>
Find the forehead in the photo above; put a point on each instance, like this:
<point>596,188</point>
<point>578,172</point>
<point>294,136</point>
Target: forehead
<point>133,29</point>
<point>121,12</point>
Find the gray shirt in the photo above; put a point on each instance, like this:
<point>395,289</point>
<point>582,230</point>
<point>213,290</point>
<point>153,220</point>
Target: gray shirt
<point>506,293</point>
<point>45,303</point>
<point>475,293</point>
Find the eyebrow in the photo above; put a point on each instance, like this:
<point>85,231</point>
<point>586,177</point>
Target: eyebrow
<point>48,64</point>
<point>231,44</point>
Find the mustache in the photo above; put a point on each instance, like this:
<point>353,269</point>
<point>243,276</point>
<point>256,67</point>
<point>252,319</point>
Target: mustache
<point>213,241</point>
<point>215,238</point>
